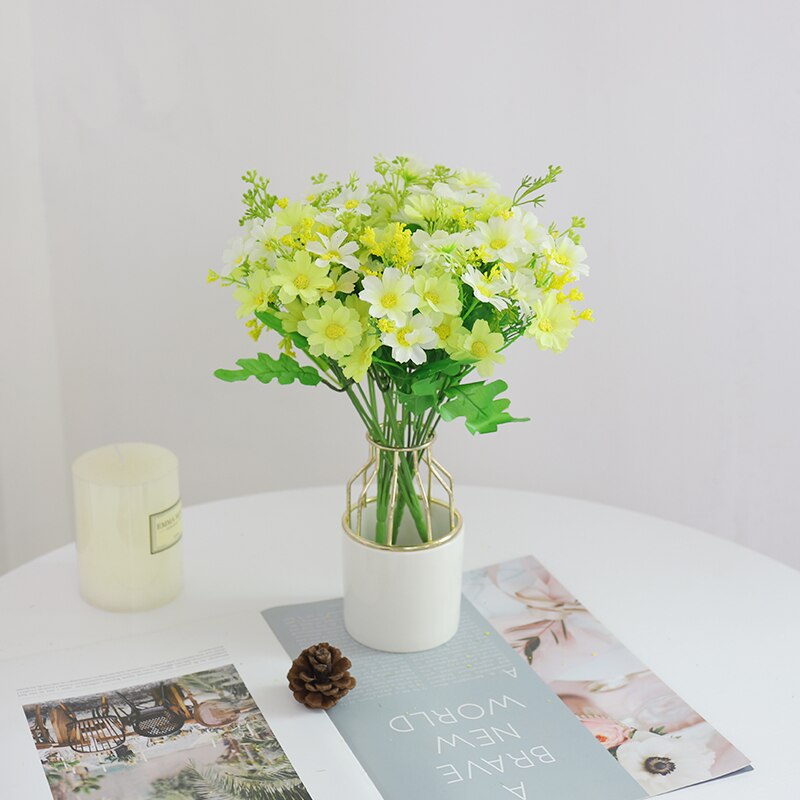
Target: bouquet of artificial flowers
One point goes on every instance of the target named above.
(398, 290)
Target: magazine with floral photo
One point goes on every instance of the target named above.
(654, 735)
(533, 697)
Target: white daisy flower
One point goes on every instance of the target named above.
(334, 250)
(504, 239)
(327, 218)
(445, 191)
(567, 255)
(487, 289)
(410, 341)
(524, 289)
(535, 233)
(436, 249)
(470, 180)
(392, 295)
(236, 254)
(261, 235)
(353, 201)
(662, 763)
(266, 231)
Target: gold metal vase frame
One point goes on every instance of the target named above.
(429, 476)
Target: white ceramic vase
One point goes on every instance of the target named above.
(405, 597)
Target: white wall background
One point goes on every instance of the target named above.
(127, 125)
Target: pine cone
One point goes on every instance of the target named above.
(319, 676)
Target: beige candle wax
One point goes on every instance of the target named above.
(128, 526)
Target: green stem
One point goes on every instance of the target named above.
(398, 516)
(405, 473)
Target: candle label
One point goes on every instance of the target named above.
(166, 528)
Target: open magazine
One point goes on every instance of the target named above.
(532, 698)
(185, 714)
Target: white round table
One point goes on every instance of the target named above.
(715, 621)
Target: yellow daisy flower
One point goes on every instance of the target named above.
(332, 329)
(300, 277)
(481, 345)
(553, 324)
(255, 296)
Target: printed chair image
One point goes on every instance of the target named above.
(39, 731)
(152, 722)
(102, 732)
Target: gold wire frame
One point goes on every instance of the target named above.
(429, 475)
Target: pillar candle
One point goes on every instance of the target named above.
(128, 526)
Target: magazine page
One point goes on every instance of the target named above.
(466, 720)
(532, 698)
(186, 714)
(651, 731)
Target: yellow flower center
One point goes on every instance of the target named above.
(283, 202)
(401, 336)
(351, 204)
(561, 259)
(457, 213)
(261, 299)
(389, 300)
(560, 281)
(331, 254)
(334, 331)
(386, 325)
(479, 350)
(443, 331)
(301, 282)
(432, 298)
(498, 244)
(545, 325)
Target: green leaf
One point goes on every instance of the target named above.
(428, 386)
(274, 324)
(232, 375)
(441, 366)
(477, 403)
(416, 404)
(265, 368)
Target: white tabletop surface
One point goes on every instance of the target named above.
(715, 621)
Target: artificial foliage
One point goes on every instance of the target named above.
(403, 293)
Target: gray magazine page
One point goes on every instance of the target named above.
(467, 720)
